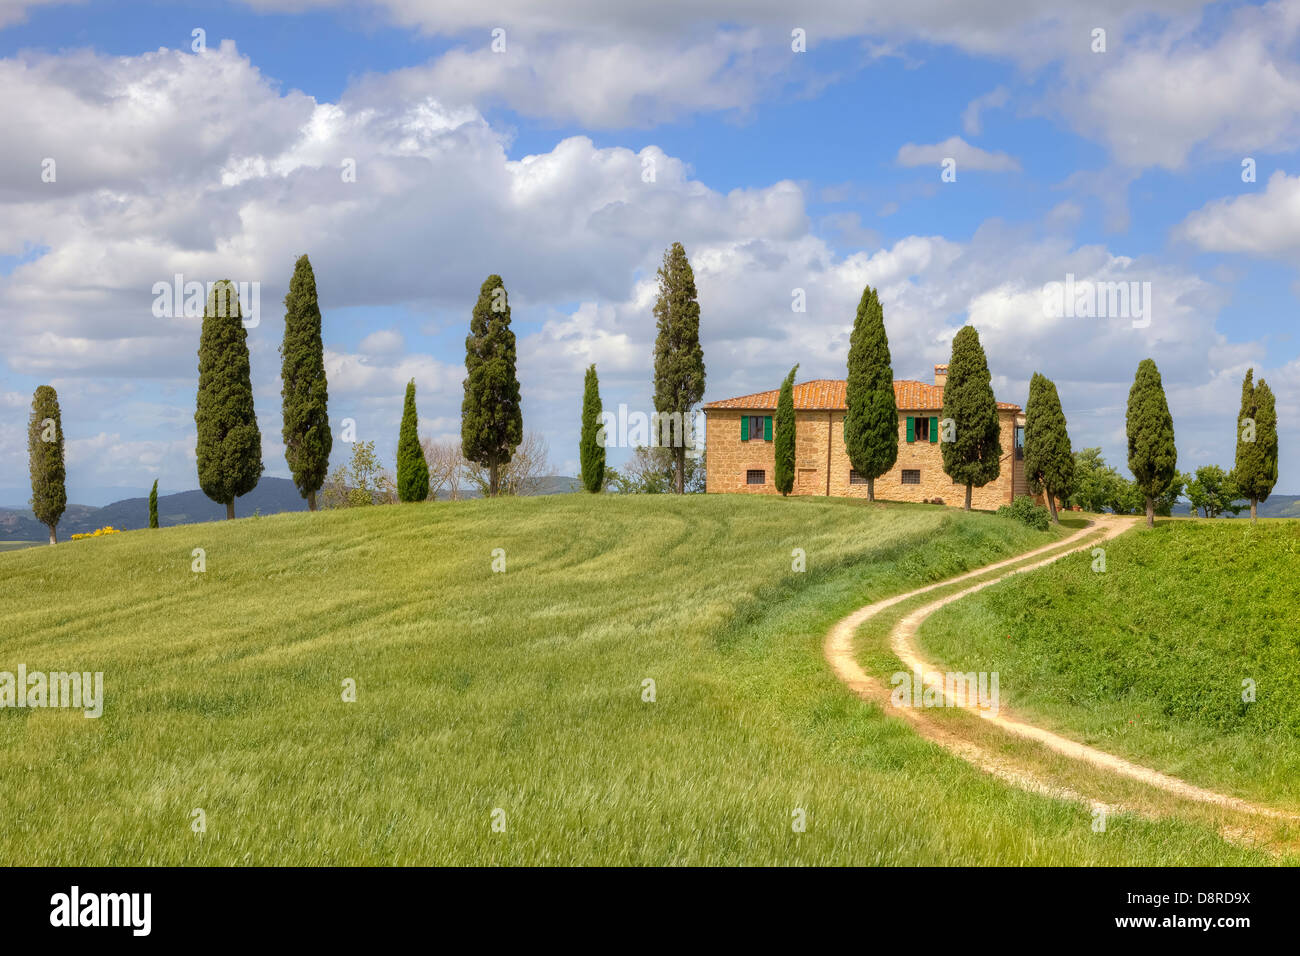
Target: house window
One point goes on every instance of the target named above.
(755, 476)
(1020, 442)
(855, 478)
(923, 429)
(911, 476)
(756, 428)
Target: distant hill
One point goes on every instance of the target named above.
(271, 496)
(1277, 506)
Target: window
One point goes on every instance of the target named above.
(923, 429)
(1020, 441)
(756, 428)
(755, 476)
(911, 476)
(855, 478)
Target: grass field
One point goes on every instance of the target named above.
(1149, 659)
(520, 691)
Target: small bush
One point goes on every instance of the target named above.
(1026, 512)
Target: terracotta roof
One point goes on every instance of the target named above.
(827, 394)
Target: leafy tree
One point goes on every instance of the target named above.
(307, 438)
(1255, 472)
(871, 422)
(229, 448)
(412, 469)
(45, 459)
(590, 449)
(783, 472)
(1049, 462)
(1211, 491)
(363, 481)
(492, 423)
(679, 359)
(1152, 456)
(974, 456)
(153, 505)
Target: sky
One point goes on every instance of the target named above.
(960, 158)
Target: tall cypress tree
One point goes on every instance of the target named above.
(229, 448)
(679, 359)
(974, 456)
(590, 449)
(1049, 461)
(1152, 457)
(871, 422)
(491, 419)
(153, 504)
(45, 460)
(412, 469)
(783, 472)
(307, 438)
(1255, 471)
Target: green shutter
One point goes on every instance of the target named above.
(934, 430)
(744, 428)
(911, 429)
(767, 428)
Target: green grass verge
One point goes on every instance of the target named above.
(1150, 658)
(521, 691)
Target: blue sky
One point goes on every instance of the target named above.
(777, 169)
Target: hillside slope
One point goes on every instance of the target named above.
(642, 684)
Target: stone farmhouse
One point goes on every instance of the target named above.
(741, 455)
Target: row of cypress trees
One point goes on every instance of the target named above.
(972, 447)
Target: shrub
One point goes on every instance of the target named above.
(1026, 512)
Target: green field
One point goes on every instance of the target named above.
(1148, 659)
(520, 691)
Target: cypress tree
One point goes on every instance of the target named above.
(974, 456)
(412, 469)
(229, 450)
(783, 472)
(590, 449)
(1255, 471)
(1049, 461)
(491, 421)
(45, 460)
(1152, 457)
(307, 438)
(153, 504)
(871, 422)
(679, 359)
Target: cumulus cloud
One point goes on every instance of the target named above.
(954, 147)
(1153, 98)
(1261, 223)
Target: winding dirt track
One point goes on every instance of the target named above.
(839, 653)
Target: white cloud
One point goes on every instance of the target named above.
(954, 147)
(1258, 223)
(1154, 97)
(971, 120)
(383, 342)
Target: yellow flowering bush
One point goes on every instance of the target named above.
(99, 533)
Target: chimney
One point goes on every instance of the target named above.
(940, 375)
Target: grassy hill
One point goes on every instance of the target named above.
(1149, 658)
(521, 691)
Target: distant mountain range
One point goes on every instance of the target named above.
(271, 496)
